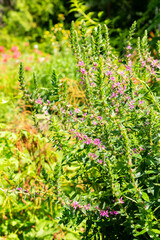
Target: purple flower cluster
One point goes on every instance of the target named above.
(103, 213)
(87, 140)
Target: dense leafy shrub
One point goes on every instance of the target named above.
(109, 178)
(30, 17)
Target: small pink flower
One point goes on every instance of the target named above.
(141, 148)
(81, 63)
(100, 118)
(140, 102)
(75, 204)
(83, 70)
(27, 68)
(115, 212)
(109, 73)
(129, 47)
(99, 161)
(77, 110)
(87, 206)
(39, 101)
(14, 49)
(2, 49)
(16, 54)
(120, 200)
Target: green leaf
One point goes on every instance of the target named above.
(156, 231)
(145, 196)
(140, 233)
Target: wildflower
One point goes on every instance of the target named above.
(27, 68)
(2, 50)
(140, 102)
(94, 123)
(83, 70)
(81, 63)
(75, 204)
(48, 101)
(128, 67)
(77, 110)
(134, 150)
(62, 110)
(39, 101)
(141, 148)
(109, 73)
(115, 212)
(100, 118)
(97, 141)
(19, 189)
(89, 141)
(143, 63)
(16, 54)
(129, 47)
(87, 206)
(104, 213)
(120, 200)
(99, 161)
(14, 49)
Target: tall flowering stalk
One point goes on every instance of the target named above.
(110, 143)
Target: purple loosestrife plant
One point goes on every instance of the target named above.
(110, 143)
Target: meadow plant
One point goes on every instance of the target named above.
(109, 181)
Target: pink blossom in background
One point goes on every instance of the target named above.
(27, 68)
(16, 54)
(2, 50)
(14, 49)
